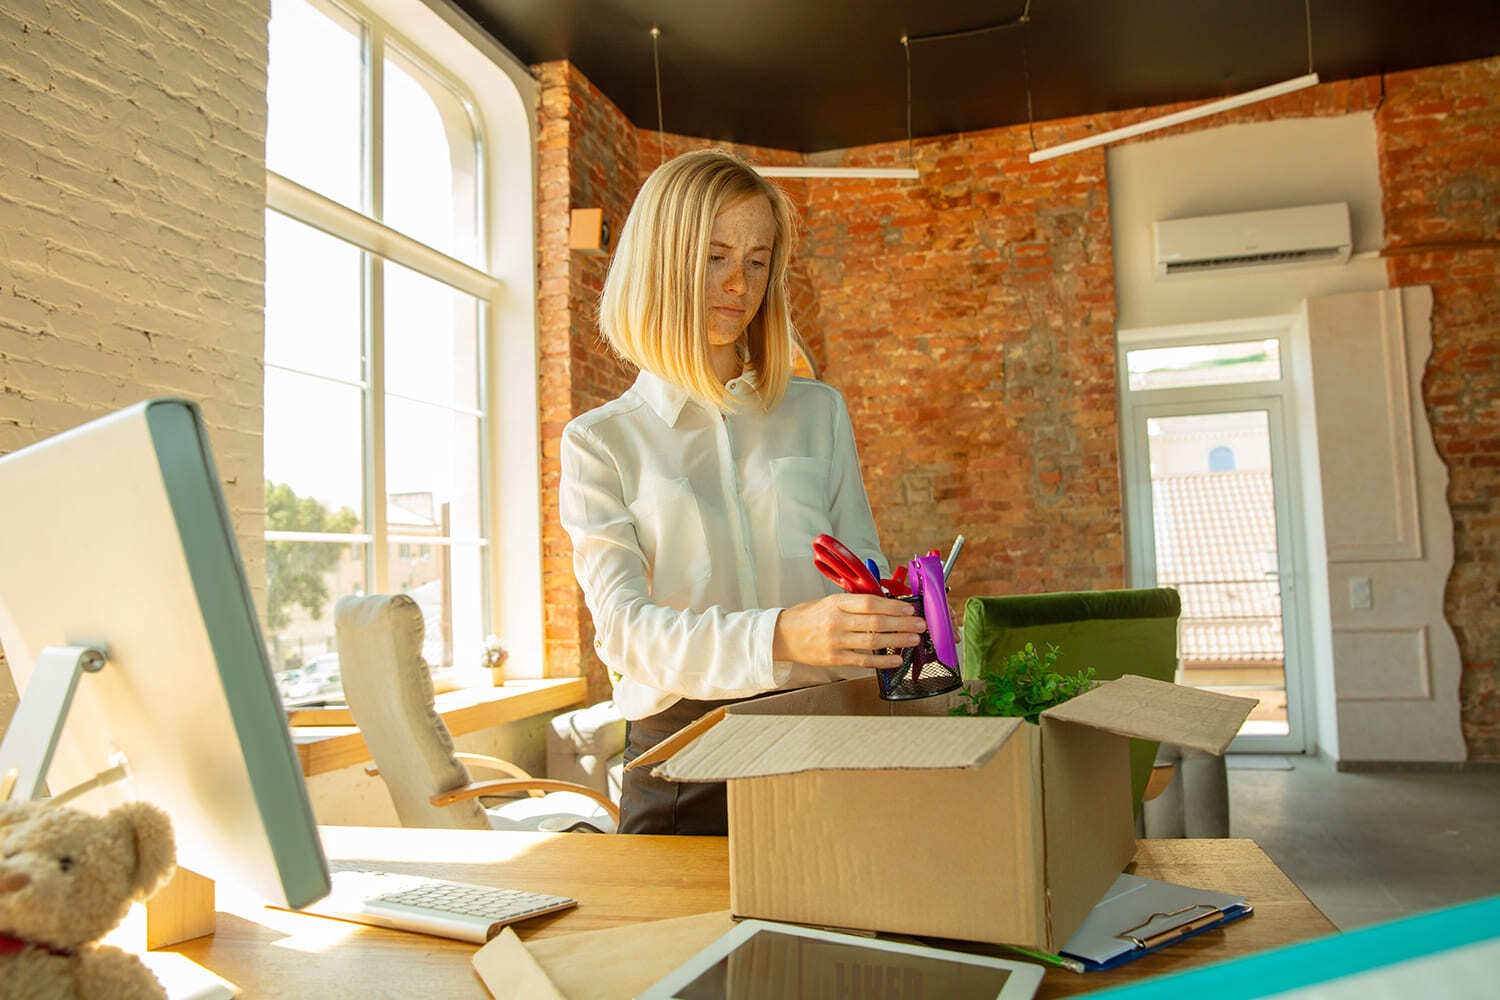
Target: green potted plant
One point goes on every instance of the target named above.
(1025, 685)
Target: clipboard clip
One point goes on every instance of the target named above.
(1175, 931)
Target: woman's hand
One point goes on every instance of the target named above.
(845, 630)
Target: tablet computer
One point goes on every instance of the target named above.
(759, 960)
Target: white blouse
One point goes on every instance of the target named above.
(692, 530)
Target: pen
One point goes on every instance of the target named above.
(1047, 958)
(958, 544)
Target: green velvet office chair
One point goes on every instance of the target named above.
(1114, 631)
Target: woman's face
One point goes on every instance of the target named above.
(739, 266)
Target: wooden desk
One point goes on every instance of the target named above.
(327, 740)
(620, 880)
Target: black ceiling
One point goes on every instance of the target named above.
(811, 75)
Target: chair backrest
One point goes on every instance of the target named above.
(1114, 631)
(389, 690)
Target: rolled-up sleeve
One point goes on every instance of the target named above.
(701, 654)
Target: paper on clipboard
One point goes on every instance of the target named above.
(1138, 915)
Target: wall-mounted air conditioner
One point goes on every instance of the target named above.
(1282, 237)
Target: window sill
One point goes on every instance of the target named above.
(327, 740)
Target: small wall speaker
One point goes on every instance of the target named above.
(588, 232)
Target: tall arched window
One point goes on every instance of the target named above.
(378, 296)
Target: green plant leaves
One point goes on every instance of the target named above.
(1025, 685)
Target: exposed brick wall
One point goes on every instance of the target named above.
(132, 200)
(1439, 133)
(968, 317)
(587, 152)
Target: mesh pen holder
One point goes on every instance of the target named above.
(921, 674)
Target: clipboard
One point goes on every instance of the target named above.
(1140, 915)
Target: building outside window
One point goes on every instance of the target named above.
(376, 300)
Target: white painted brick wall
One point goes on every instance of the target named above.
(132, 198)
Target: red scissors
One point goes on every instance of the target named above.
(835, 561)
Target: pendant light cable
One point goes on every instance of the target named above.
(942, 36)
(661, 132)
(1026, 76)
(1307, 14)
(1019, 21)
(911, 160)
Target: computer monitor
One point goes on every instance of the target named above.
(116, 535)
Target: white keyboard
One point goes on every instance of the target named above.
(429, 905)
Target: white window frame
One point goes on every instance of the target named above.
(500, 92)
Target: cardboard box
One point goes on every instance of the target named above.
(849, 811)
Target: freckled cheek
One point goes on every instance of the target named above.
(758, 290)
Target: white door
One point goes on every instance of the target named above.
(1208, 487)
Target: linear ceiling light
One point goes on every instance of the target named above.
(1178, 117)
(900, 173)
(908, 173)
(1310, 79)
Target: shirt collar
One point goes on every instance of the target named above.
(664, 398)
(667, 399)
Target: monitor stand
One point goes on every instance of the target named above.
(182, 909)
(31, 740)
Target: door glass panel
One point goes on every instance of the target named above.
(1204, 364)
(1214, 516)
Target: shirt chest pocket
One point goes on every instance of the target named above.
(669, 527)
(801, 489)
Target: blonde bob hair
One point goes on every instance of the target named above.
(653, 311)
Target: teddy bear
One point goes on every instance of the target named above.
(66, 879)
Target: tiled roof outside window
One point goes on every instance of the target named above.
(1216, 543)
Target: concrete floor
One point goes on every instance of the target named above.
(1367, 847)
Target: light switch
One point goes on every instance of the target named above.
(1359, 592)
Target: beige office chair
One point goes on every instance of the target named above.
(388, 686)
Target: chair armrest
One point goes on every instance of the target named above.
(477, 789)
(1161, 777)
(473, 760)
(487, 762)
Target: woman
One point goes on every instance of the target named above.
(692, 500)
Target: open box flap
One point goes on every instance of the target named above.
(679, 739)
(746, 746)
(1156, 710)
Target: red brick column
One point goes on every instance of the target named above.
(586, 151)
(1439, 132)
